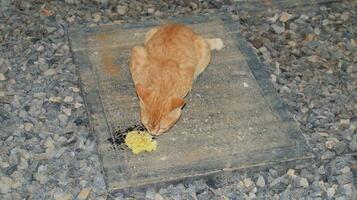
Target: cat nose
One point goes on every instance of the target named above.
(155, 131)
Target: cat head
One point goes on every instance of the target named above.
(158, 114)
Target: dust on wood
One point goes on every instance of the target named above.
(107, 55)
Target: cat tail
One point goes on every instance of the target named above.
(215, 43)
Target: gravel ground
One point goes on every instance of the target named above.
(47, 151)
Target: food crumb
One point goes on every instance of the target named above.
(139, 141)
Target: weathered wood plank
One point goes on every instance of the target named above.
(233, 118)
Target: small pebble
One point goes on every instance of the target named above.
(304, 183)
(260, 181)
(83, 195)
(278, 29)
(284, 17)
(96, 17)
(121, 10)
(77, 105)
(49, 72)
(55, 99)
(331, 192)
(28, 126)
(247, 182)
(74, 89)
(67, 111)
(291, 173)
(2, 77)
(151, 10)
(68, 99)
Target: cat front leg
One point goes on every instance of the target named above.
(137, 61)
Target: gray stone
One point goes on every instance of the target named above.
(51, 29)
(72, 1)
(49, 72)
(325, 22)
(276, 181)
(278, 29)
(348, 190)
(330, 192)
(344, 16)
(150, 193)
(121, 10)
(328, 155)
(345, 178)
(353, 144)
(339, 147)
(5, 184)
(304, 183)
(260, 181)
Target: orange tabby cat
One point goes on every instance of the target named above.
(164, 70)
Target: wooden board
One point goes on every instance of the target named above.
(233, 118)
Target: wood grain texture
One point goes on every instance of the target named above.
(233, 118)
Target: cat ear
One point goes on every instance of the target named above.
(177, 103)
(142, 92)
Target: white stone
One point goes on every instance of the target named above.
(49, 143)
(49, 72)
(151, 10)
(344, 16)
(260, 182)
(313, 58)
(121, 10)
(331, 192)
(345, 121)
(55, 99)
(291, 172)
(252, 195)
(304, 17)
(2, 77)
(284, 17)
(71, 19)
(325, 22)
(67, 111)
(304, 183)
(28, 126)
(274, 18)
(66, 196)
(247, 182)
(330, 144)
(96, 17)
(84, 194)
(68, 99)
(74, 89)
(15, 184)
(40, 48)
(78, 105)
(63, 118)
(346, 170)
